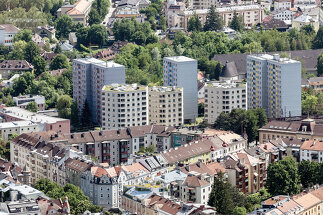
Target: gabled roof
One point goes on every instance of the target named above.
(312, 145)
(18, 65)
(195, 181)
(198, 167)
(9, 28)
(229, 70)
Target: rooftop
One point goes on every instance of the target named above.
(164, 89)
(15, 124)
(312, 145)
(225, 84)
(180, 59)
(98, 62)
(123, 87)
(23, 114)
(9, 28)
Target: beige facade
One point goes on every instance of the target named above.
(178, 16)
(166, 106)
(79, 12)
(223, 97)
(305, 129)
(124, 105)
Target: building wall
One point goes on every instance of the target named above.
(183, 73)
(282, 5)
(223, 99)
(124, 108)
(6, 38)
(6, 133)
(59, 126)
(308, 155)
(166, 107)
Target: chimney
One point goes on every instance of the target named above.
(265, 146)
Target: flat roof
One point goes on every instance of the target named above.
(180, 59)
(123, 87)
(27, 115)
(16, 124)
(98, 62)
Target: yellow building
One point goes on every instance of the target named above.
(302, 20)
(310, 203)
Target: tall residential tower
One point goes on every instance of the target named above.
(89, 76)
(181, 71)
(274, 84)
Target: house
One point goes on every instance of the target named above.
(7, 33)
(23, 101)
(48, 57)
(106, 54)
(282, 4)
(40, 42)
(46, 31)
(312, 150)
(316, 83)
(303, 20)
(8, 66)
(72, 38)
(117, 45)
(301, 129)
(79, 12)
(66, 46)
(278, 24)
(9, 83)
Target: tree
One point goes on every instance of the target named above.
(58, 49)
(75, 116)
(214, 21)
(32, 106)
(82, 36)
(309, 104)
(237, 22)
(64, 26)
(24, 35)
(63, 106)
(86, 115)
(77, 200)
(140, 38)
(194, 23)
(200, 109)
(309, 173)
(150, 149)
(286, 172)
(94, 17)
(31, 51)
(18, 50)
(155, 54)
(239, 211)
(220, 196)
(162, 23)
(59, 62)
(97, 34)
(318, 41)
(39, 64)
(102, 6)
(320, 64)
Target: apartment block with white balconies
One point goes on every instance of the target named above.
(124, 105)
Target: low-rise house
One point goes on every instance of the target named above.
(117, 45)
(310, 203)
(66, 46)
(79, 12)
(72, 38)
(23, 101)
(316, 83)
(278, 24)
(48, 57)
(46, 31)
(8, 129)
(9, 83)
(282, 4)
(106, 54)
(312, 150)
(7, 33)
(8, 66)
(45, 123)
(303, 20)
(54, 206)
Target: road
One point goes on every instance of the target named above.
(107, 17)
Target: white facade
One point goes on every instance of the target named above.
(282, 4)
(274, 84)
(7, 129)
(181, 71)
(312, 150)
(124, 106)
(284, 15)
(223, 97)
(89, 76)
(7, 33)
(166, 106)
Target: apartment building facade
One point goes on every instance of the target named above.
(312, 150)
(274, 84)
(166, 106)
(89, 77)
(181, 71)
(301, 130)
(124, 106)
(7, 33)
(223, 97)
(8, 129)
(178, 16)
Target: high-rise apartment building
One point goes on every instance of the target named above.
(166, 106)
(89, 76)
(274, 84)
(223, 97)
(181, 71)
(124, 105)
